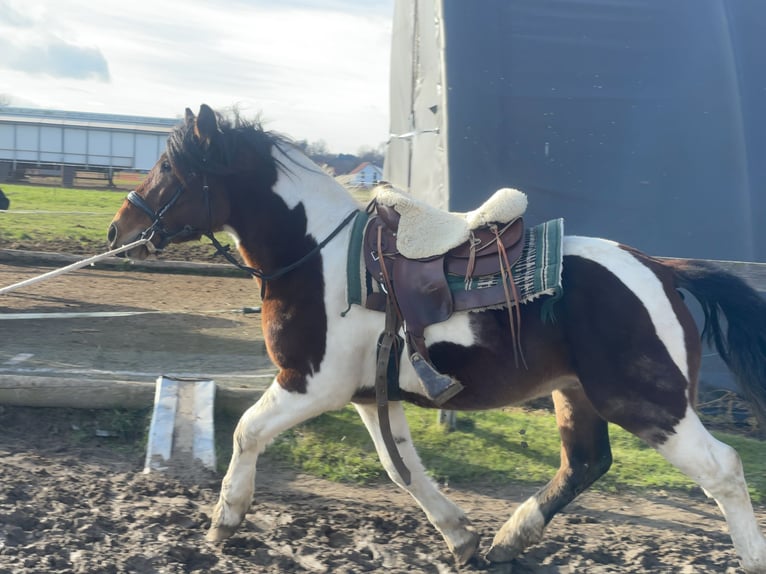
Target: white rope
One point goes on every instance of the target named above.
(72, 267)
(44, 212)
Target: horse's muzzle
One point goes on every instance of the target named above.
(116, 239)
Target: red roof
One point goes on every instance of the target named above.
(359, 168)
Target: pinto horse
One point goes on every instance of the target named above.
(623, 347)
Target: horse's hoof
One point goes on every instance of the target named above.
(467, 549)
(220, 533)
(502, 554)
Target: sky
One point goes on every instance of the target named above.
(315, 70)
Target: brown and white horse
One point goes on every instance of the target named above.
(623, 349)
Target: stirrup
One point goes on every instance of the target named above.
(438, 387)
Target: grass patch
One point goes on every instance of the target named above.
(495, 447)
(85, 218)
(123, 431)
(77, 215)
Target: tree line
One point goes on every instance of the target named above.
(341, 163)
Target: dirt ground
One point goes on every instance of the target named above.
(77, 506)
(172, 324)
(70, 503)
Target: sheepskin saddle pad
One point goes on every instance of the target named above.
(425, 231)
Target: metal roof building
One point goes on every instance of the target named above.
(40, 138)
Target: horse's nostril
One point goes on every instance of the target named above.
(111, 235)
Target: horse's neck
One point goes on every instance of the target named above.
(302, 181)
(324, 201)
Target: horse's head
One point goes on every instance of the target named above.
(182, 197)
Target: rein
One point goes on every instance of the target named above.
(225, 250)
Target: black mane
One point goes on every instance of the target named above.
(188, 154)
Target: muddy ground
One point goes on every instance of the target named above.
(71, 502)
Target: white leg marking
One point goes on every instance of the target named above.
(521, 531)
(717, 468)
(276, 411)
(444, 514)
(646, 286)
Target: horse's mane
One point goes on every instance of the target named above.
(188, 154)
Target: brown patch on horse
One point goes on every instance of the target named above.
(292, 313)
(271, 236)
(241, 172)
(585, 451)
(625, 369)
(488, 371)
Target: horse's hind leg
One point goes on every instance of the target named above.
(447, 517)
(276, 411)
(585, 456)
(717, 468)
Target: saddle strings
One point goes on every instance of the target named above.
(386, 278)
(511, 298)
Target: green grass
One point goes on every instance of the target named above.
(495, 447)
(97, 208)
(83, 214)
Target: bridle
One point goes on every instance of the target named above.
(157, 228)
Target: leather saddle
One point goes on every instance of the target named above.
(419, 290)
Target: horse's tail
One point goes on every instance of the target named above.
(742, 344)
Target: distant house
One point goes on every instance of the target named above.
(363, 175)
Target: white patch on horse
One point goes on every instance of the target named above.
(301, 181)
(277, 410)
(349, 339)
(444, 514)
(717, 468)
(457, 330)
(643, 283)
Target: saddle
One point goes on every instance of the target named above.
(414, 279)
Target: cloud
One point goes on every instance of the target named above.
(13, 17)
(364, 7)
(55, 58)
(316, 69)
(28, 45)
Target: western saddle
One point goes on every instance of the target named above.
(417, 254)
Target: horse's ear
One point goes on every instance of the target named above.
(189, 117)
(207, 124)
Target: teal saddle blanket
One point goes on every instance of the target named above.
(537, 272)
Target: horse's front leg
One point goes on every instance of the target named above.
(444, 514)
(277, 410)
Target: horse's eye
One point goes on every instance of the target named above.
(166, 166)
